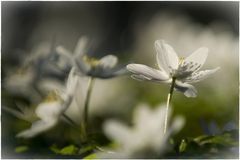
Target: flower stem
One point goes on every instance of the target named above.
(168, 102)
(69, 120)
(86, 107)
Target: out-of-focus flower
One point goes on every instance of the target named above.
(100, 68)
(34, 68)
(213, 128)
(52, 109)
(145, 139)
(42, 60)
(22, 83)
(181, 71)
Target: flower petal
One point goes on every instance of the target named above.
(140, 77)
(166, 56)
(108, 61)
(65, 53)
(187, 89)
(49, 110)
(196, 60)
(201, 75)
(177, 124)
(49, 113)
(72, 82)
(37, 128)
(118, 131)
(147, 73)
(81, 47)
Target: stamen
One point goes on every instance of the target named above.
(90, 60)
(21, 71)
(52, 96)
(181, 60)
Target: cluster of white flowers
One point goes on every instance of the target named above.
(148, 136)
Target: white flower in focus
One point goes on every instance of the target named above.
(50, 111)
(100, 68)
(182, 70)
(145, 139)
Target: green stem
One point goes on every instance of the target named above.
(168, 102)
(69, 120)
(86, 107)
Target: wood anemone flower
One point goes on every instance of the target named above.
(105, 67)
(51, 110)
(174, 70)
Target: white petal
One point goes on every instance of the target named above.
(81, 47)
(74, 60)
(49, 110)
(201, 75)
(117, 131)
(72, 82)
(187, 89)
(37, 128)
(147, 73)
(108, 61)
(49, 113)
(195, 61)
(166, 56)
(144, 116)
(140, 77)
(65, 53)
(177, 124)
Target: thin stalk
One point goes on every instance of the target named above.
(86, 107)
(69, 120)
(169, 97)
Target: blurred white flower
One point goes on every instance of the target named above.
(26, 81)
(22, 83)
(52, 109)
(100, 68)
(41, 59)
(145, 139)
(181, 71)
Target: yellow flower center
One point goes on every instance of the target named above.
(181, 60)
(21, 71)
(90, 60)
(52, 96)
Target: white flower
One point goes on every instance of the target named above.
(50, 111)
(183, 70)
(101, 68)
(145, 139)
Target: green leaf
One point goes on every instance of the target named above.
(225, 139)
(55, 149)
(91, 156)
(86, 149)
(21, 149)
(69, 150)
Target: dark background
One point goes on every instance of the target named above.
(111, 22)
